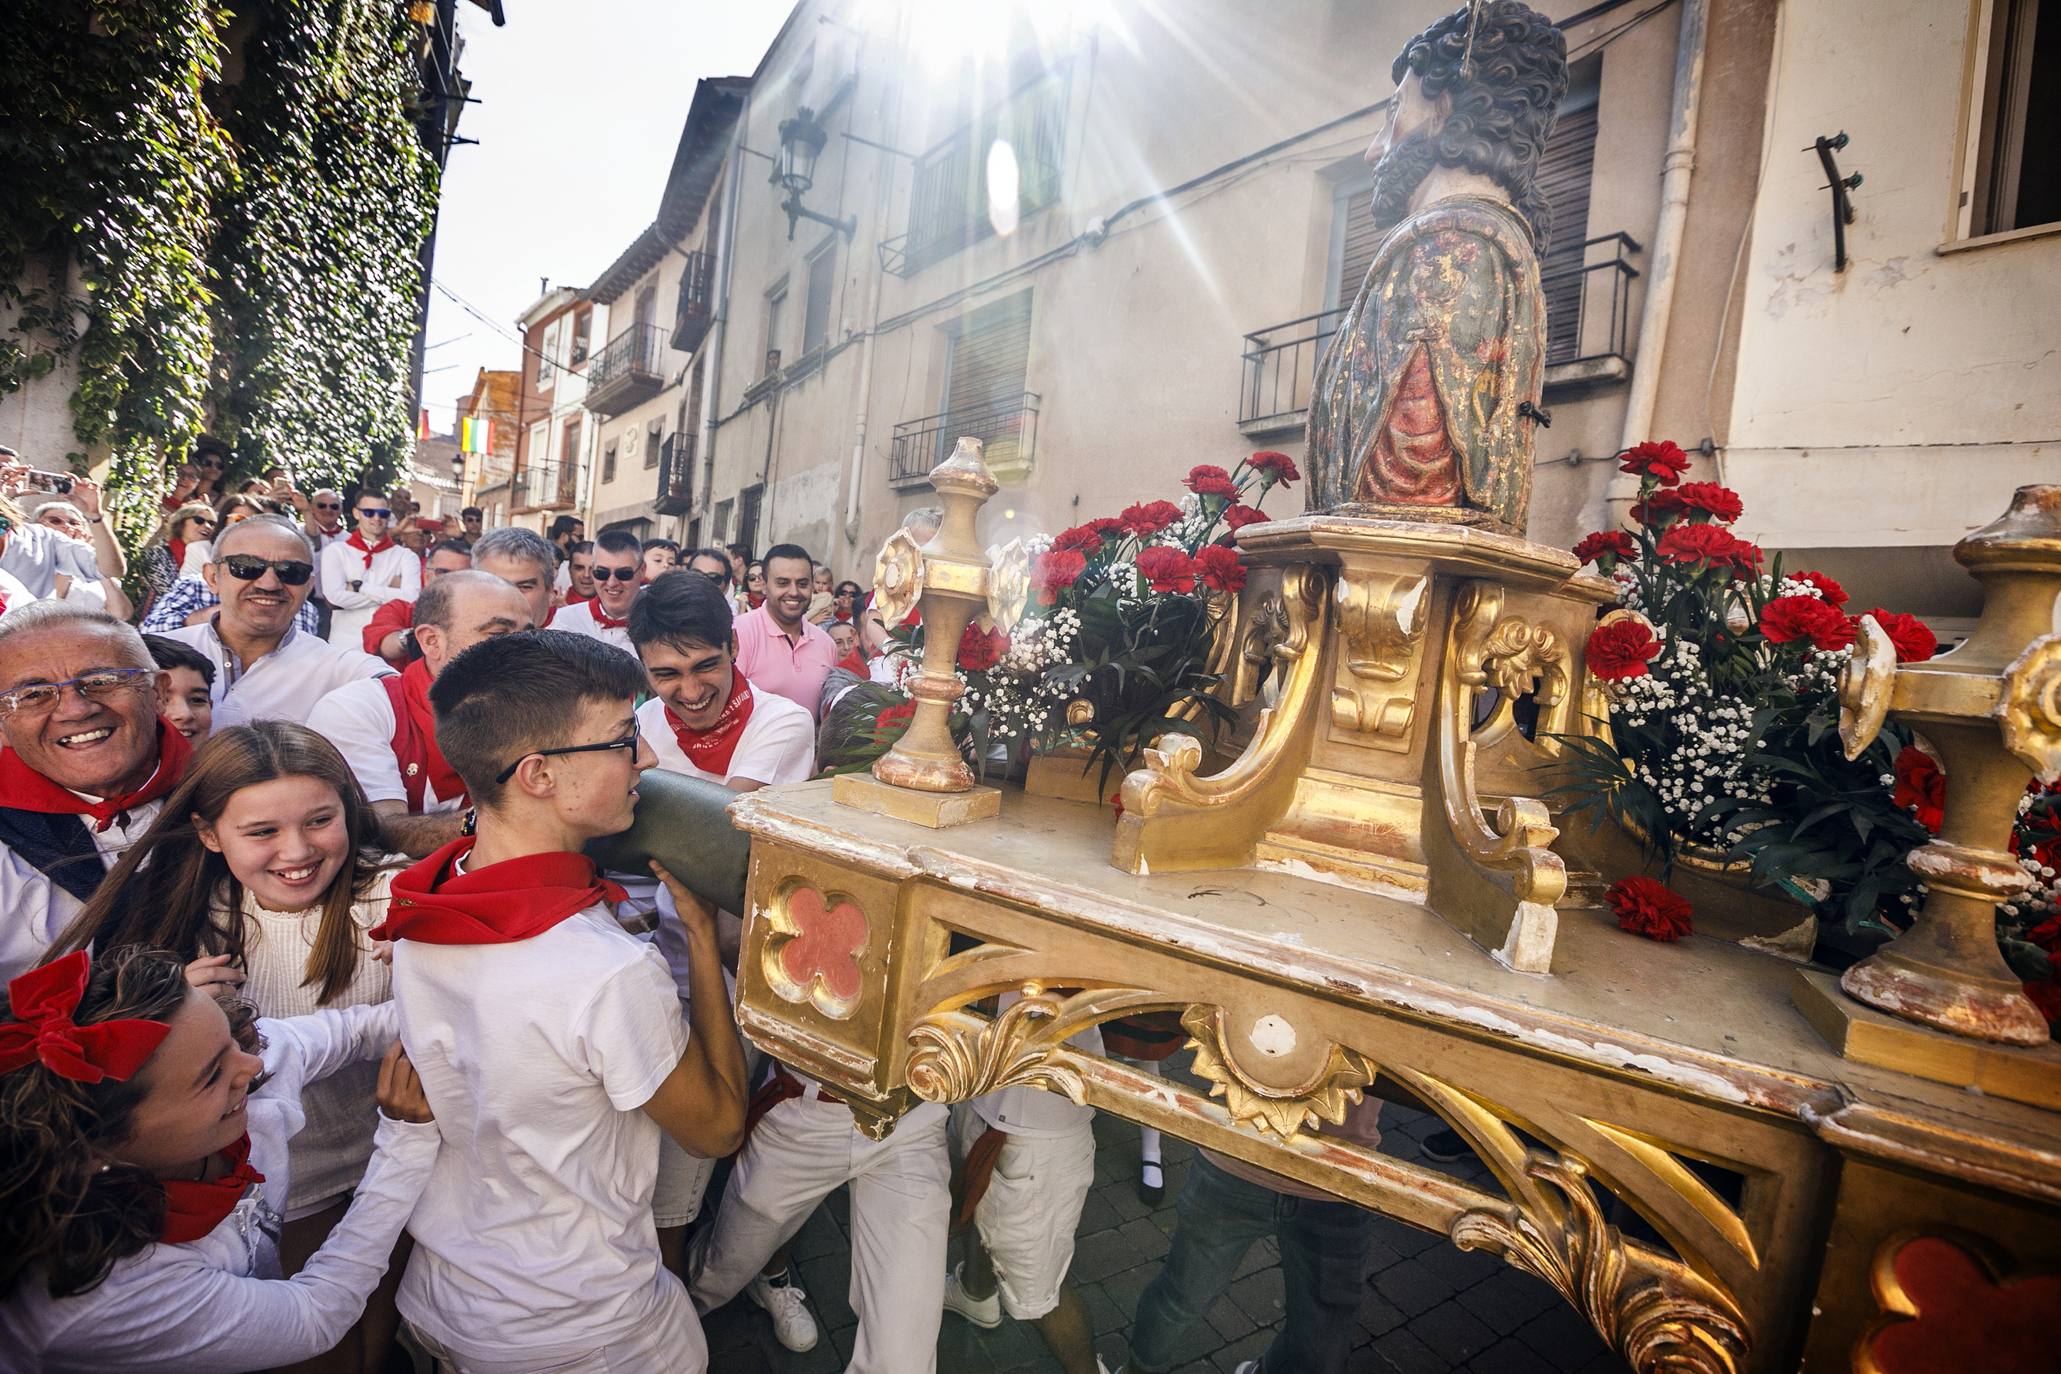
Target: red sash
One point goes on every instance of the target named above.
(496, 905)
(192, 1209)
(27, 790)
(415, 739)
(712, 749)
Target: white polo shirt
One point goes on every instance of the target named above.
(778, 744)
(283, 685)
(358, 718)
(579, 620)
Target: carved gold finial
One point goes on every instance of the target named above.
(1992, 710)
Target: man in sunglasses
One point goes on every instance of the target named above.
(618, 565)
(266, 668)
(366, 570)
(85, 769)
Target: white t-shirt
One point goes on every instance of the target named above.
(34, 910)
(218, 1303)
(36, 554)
(283, 685)
(392, 574)
(358, 718)
(14, 592)
(579, 620)
(778, 744)
(534, 1238)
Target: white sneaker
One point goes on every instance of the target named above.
(1247, 1367)
(788, 1306)
(985, 1313)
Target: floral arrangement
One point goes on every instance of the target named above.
(1722, 739)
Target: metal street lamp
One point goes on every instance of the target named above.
(801, 143)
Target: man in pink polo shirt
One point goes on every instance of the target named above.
(777, 649)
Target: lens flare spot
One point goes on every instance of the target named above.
(1004, 187)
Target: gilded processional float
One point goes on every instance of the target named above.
(1372, 886)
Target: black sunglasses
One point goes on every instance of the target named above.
(248, 567)
(620, 574)
(329, 505)
(629, 742)
(374, 513)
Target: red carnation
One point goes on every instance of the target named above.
(1649, 908)
(1663, 461)
(1273, 466)
(1787, 619)
(2047, 935)
(1659, 508)
(1913, 639)
(1150, 518)
(980, 650)
(1920, 787)
(2046, 995)
(1167, 570)
(1699, 544)
(896, 717)
(1207, 479)
(1238, 517)
(1746, 556)
(1713, 499)
(1621, 649)
(1083, 539)
(1219, 569)
(1054, 570)
(1606, 544)
(1827, 588)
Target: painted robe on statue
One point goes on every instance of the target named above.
(1414, 411)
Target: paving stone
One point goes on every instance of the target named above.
(820, 1235)
(1412, 1287)
(1511, 1356)
(1509, 1299)
(1563, 1336)
(1262, 1295)
(1453, 1333)
(1096, 1214)
(1377, 1315)
(1104, 1253)
(1144, 1233)
(1460, 1268)
(1399, 1352)
(1238, 1352)
(1263, 1253)
(1104, 1316)
(1229, 1320)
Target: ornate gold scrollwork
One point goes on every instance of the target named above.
(1381, 618)
(1863, 690)
(955, 1056)
(898, 577)
(2029, 712)
(1659, 1314)
(1325, 1080)
(1265, 632)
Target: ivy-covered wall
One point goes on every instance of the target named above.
(246, 254)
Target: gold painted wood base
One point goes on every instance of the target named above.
(1868, 1036)
(1069, 775)
(937, 810)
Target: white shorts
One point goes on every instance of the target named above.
(1031, 1209)
(682, 1180)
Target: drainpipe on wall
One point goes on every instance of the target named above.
(712, 372)
(1676, 168)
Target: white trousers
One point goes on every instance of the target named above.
(901, 1207)
(670, 1343)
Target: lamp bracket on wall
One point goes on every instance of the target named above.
(1839, 186)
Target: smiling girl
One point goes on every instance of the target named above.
(143, 1130)
(265, 854)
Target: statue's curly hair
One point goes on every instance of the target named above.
(1504, 86)
(68, 1211)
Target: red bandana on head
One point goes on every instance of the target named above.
(496, 905)
(24, 789)
(194, 1208)
(43, 1001)
(357, 541)
(711, 750)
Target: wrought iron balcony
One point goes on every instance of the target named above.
(697, 302)
(1007, 429)
(546, 486)
(1280, 364)
(628, 372)
(949, 198)
(676, 474)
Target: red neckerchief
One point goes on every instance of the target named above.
(178, 548)
(853, 663)
(603, 618)
(496, 905)
(844, 617)
(573, 598)
(193, 1208)
(357, 541)
(712, 749)
(415, 695)
(24, 789)
(757, 599)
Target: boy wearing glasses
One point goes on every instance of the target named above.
(618, 570)
(366, 570)
(267, 668)
(534, 1247)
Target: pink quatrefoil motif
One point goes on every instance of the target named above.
(820, 960)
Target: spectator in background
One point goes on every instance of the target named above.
(386, 634)
(523, 559)
(822, 600)
(325, 523)
(185, 686)
(36, 554)
(474, 522)
(579, 572)
(618, 573)
(565, 531)
(366, 571)
(754, 585)
(164, 558)
(211, 461)
(845, 637)
(740, 559)
(848, 595)
(661, 556)
(190, 601)
(777, 648)
(714, 564)
(105, 595)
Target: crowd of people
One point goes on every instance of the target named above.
(325, 1040)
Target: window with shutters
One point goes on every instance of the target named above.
(1566, 170)
(985, 178)
(987, 362)
(721, 531)
(547, 357)
(2011, 156)
(748, 503)
(582, 331)
(816, 309)
(776, 306)
(608, 462)
(653, 440)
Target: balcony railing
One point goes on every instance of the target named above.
(697, 302)
(1588, 314)
(627, 372)
(546, 486)
(949, 204)
(1007, 429)
(676, 474)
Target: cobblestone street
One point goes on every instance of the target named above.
(1429, 1307)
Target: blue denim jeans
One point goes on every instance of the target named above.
(1323, 1263)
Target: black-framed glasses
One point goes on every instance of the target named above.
(375, 513)
(41, 698)
(620, 574)
(248, 567)
(629, 742)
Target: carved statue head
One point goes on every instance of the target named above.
(1476, 91)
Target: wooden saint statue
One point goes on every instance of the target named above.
(1426, 400)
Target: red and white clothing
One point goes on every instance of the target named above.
(217, 1303)
(587, 618)
(534, 1245)
(794, 667)
(384, 572)
(392, 618)
(774, 742)
(365, 721)
(286, 683)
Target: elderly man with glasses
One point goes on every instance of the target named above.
(266, 668)
(86, 766)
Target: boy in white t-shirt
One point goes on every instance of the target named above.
(548, 1039)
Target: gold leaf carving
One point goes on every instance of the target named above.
(1381, 620)
(897, 577)
(2030, 712)
(1864, 685)
(1659, 1314)
(1326, 1093)
(951, 1061)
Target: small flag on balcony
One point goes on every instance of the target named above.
(422, 424)
(475, 436)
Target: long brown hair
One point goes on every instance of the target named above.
(163, 891)
(64, 1204)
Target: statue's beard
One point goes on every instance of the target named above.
(1397, 176)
